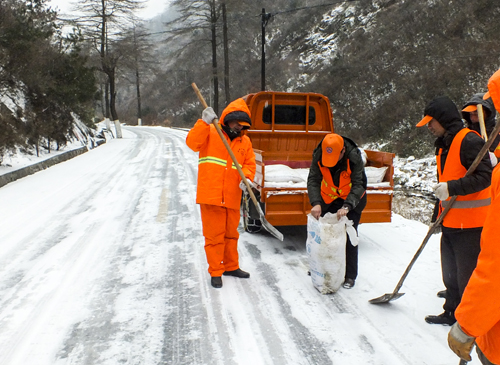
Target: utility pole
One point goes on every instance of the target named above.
(265, 19)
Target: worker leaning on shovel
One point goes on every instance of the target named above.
(456, 150)
(478, 315)
(337, 184)
(218, 191)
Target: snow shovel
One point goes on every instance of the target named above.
(386, 298)
(215, 122)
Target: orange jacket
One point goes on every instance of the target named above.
(329, 191)
(468, 211)
(479, 310)
(218, 178)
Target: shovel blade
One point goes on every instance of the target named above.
(269, 227)
(386, 298)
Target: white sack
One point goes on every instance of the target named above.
(326, 240)
(375, 175)
(281, 173)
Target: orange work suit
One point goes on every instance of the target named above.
(479, 310)
(218, 187)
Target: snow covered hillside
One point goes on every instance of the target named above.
(102, 262)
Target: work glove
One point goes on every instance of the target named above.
(437, 229)
(441, 191)
(460, 343)
(250, 182)
(493, 159)
(208, 115)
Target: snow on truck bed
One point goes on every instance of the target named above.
(282, 176)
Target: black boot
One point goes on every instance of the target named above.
(348, 283)
(441, 294)
(445, 318)
(238, 273)
(216, 281)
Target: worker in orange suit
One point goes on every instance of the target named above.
(478, 315)
(220, 185)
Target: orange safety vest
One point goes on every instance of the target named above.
(330, 191)
(497, 151)
(468, 211)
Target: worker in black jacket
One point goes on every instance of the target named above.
(456, 149)
(470, 114)
(337, 184)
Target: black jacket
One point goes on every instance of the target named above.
(358, 176)
(446, 113)
(489, 117)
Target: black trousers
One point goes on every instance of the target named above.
(351, 252)
(459, 251)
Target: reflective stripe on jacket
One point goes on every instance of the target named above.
(218, 178)
(468, 211)
(479, 309)
(330, 191)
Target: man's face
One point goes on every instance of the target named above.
(235, 126)
(435, 128)
(473, 117)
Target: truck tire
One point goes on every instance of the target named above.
(251, 221)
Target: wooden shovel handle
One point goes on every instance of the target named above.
(215, 122)
(480, 116)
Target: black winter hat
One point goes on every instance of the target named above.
(444, 111)
(240, 116)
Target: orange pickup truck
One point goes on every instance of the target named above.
(286, 127)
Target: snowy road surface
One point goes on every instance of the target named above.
(102, 262)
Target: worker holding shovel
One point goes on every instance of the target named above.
(456, 150)
(478, 315)
(479, 115)
(219, 189)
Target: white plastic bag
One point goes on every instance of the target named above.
(326, 240)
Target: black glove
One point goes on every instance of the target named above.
(437, 229)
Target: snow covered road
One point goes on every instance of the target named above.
(102, 262)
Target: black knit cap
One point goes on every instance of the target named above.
(239, 116)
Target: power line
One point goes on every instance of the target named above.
(311, 7)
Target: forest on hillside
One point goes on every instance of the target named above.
(378, 61)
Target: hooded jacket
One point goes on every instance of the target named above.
(218, 178)
(479, 309)
(446, 113)
(358, 176)
(489, 118)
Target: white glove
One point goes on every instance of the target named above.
(244, 187)
(493, 159)
(441, 191)
(208, 115)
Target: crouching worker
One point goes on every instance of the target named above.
(337, 184)
(218, 191)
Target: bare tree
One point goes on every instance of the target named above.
(103, 21)
(199, 17)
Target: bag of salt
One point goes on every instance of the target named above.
(326, 240)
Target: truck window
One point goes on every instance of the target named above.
(288, 114)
